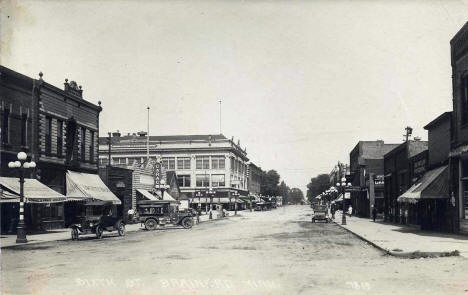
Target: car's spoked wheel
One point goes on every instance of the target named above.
(74, 234)
(121, 229)
(150, 224)
(99, 232)
(187, 222)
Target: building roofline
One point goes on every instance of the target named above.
(460, 32)
(440, 118)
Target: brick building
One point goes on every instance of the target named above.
(57, 128)
(367, 167)
(398, 175)
(459, 143)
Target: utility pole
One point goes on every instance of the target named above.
(220, 116)
(409, 132)
(109, 144)
(147, 138)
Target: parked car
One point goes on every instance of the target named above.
(154, 213)
(96, 217)
(320, 213)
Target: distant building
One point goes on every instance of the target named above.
(254, 181)
(367, 167)
(398, 175)
(200, 162)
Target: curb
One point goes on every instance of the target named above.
(68, 238)
(406, 255)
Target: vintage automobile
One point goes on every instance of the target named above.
(96, 217)
(320, 213)
(154, 213)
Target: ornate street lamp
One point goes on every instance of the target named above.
(199, 195)
(235, 194)
(211, 193)
(343, 186)
(22, 165)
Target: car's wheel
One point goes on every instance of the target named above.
(151, 224)
(74, 234)
(187, 222)
(121, 229)
(99, 232)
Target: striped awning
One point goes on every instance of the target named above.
(34, 191)
(87, 186)
(147, 194)
(215, 201)
(433, 185)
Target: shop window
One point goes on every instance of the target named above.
(203, 180)
(183, 163)
(218, 180)
(183, 180)
(465, 185)
(203, 162)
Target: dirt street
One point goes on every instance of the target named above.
(273, 252)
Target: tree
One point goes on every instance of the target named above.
(317, 185)
(296, 196)
(284, 191)
(269, 183)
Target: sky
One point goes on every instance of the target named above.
(301, 82)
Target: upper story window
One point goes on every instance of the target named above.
(168, 163)
(119, 161)
(218, 162)
(203, 180)
(83, 144)
(464, 101)
(48, 135)
(5, 125)
(218, 180)
(59, 138)
(183, 180)
(183, 163)
(24, 129)
(203, 162)
(232, 164)
(91, 146)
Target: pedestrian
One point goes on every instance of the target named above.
(374, 213)
(333, 209)
(350, 210)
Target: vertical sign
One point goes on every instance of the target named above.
(157, 173)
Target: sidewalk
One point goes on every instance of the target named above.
(8, 241)
(403, 241)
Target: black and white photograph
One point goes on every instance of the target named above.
(263, 147)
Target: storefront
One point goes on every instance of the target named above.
(85, 187)
(43, 206)
(425, 203)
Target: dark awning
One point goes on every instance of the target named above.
(433, 185)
